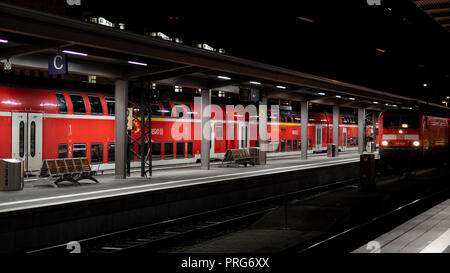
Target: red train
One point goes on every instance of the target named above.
(416, 132)
(44, 124)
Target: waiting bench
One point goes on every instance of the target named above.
(67, 169)
(238, 156)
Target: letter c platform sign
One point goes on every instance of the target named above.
(57, 64)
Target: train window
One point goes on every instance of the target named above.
(219, 131)
(96, 105)
(156, 111)
(63, 151)
(310, 143)
(111, 152)
(299, 144)
(33, 138)
(289, 145)
(97, 153)
(62, 105)
(22, 139)
(391, 122)
(283, 145)
(156, 150)
(79, 150)
(78, 104)
(294, 145)
(111, 104)
(180, 149)
(179, 111)
(189, 111)
(190, 151)
(167, 109)
(168, 150)
(412, 122)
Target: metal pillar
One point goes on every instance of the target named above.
(263, 122)
(304, 131)
(121, 104)
(361, 129)
(206, 128)
(374, 122)
(336, 131)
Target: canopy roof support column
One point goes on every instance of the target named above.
(304, 130)
(361, 129)
(206, 128)
(121, 104)
(336, 131)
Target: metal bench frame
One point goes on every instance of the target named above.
(73, 170)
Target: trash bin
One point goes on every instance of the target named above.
(258, 156)
(11, 175)
(371, 147)
(367, 172)
(331, 150)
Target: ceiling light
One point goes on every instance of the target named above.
(74, 53)
(281, 87)
(381, 50)
(351, 98)
(3, 41)
(375, 102)
(338, 96)
(305, 19)
(224, 77)
(257, 83)
(321, 93)
(137, 63)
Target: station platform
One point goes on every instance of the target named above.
(41, 215)
(36, 194)
(428, 232)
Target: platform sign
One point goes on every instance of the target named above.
(57, 64)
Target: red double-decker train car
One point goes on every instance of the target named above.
(413, 133)
(46, 124)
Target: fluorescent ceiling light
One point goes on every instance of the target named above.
(381, 50)
(338, 96)
(375, 102)
(321, 93)
(137, 63)
(281, 87)
(3, 41)
(351, 98)
(257, 83)
(74, 53)
(224, 77)
(303, 18)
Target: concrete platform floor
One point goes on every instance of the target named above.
(428, 232)
(36, 194)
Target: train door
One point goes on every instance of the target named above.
(318, 145)
(243, 135)
(344, 139)
(27, 139)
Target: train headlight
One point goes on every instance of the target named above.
(416, 143)
(384, 143)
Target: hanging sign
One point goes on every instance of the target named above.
(57, 64)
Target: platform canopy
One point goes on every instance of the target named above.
(33, 36)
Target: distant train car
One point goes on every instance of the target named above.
(43, 124)
(413, 133)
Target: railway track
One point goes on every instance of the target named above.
(356, 236)
(158, 235)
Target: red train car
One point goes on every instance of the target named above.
(44, 124)
(417, 132)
